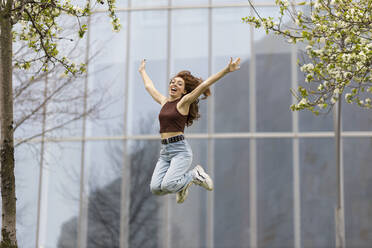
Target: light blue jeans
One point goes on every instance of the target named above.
(172, 171)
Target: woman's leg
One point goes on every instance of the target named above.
(178, 174)
(160, 170)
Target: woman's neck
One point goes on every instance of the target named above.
(172, 99)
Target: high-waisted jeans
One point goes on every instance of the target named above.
(172, 171)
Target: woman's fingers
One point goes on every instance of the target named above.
(234, 65)
(142, 66)
(237, 61)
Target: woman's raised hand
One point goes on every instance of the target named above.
(234, 65)
(142, 66)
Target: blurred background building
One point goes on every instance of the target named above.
(274, 170)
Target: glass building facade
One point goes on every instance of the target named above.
(274, 170)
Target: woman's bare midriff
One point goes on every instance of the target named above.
(170, 134)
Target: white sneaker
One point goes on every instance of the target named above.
(201, 178)
(181, 195)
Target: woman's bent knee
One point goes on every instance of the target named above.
(156, 190)
(170, 187)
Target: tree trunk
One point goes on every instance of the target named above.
(8, 229)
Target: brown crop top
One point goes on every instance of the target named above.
(170, 119)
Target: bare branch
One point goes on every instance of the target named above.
(53, 128)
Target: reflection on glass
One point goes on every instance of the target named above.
(231, 207)
(106, 76)
(273, 79)
(358, 191)
(104, 165)
(65, 110)
(121, 3)
(144, 208)
(190, 52)
(318, 182)
(275, 193)
(61, 180)
(105, 161)
(308, 122)
(142, 107)
(355, 118)
(27, 182)
(231, 38)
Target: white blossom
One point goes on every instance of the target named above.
(317, 5)
(307, 67)
(322, 105)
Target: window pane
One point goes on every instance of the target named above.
(106, 76)
(61, 189)
(358, 191)
(190, 52)
(105, 162)
(273, 80)
(27, 170)
(318, 182)
(104, 165)
(275, 193)
(144, 208)
(231, 38)
(355, 118)
(143, 110)
(25, 104)
(64, 108)
(231, 202)
(121, 3)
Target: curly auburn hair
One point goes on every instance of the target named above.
(191, 82)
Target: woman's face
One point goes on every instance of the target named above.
(176, 87)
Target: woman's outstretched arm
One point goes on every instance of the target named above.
(192, 96)
(149, 85)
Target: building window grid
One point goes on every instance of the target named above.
(211, 135)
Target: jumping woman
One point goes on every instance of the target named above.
(172, 172)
